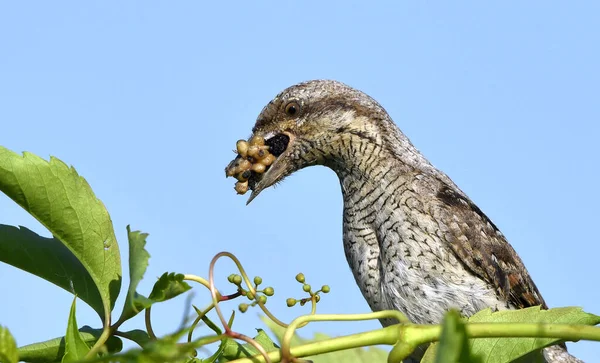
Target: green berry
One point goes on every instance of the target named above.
(257, 280)
(300, 278)
(262, 299)
(325, 289)
(237, 279)
(306, 287)
(269, 291)
(243, 307)
(290, 302)
(250, 295)
(317, 298)
(230, 278)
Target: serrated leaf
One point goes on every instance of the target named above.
(493, 350)
(355, 355)
(8, 347)
(54, 349)
(138, 263)
(75, 346)
(49, 259)
(168, 286)
(64, 203)
(231, 349)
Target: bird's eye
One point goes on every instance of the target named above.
(292, 108)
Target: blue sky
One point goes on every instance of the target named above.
(146, 100)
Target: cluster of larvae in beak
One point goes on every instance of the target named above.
(253, 156)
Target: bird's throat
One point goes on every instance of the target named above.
(372, 181)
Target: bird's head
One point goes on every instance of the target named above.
(303, 123)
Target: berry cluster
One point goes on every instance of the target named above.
(253, 156)
(307, 288)
(261, 295)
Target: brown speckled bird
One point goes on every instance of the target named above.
(414, 241)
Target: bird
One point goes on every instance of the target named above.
(413, 239)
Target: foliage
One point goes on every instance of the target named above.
(83, 258)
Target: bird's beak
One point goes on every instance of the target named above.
(281, 167)
(274, 174)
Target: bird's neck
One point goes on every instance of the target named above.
(365, 163)
(372, 179)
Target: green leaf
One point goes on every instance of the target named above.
(8, 347)
(233, 350)
(218, 354)
(138, 262)
(75, 346)
(453, 340)
(430, 354)
(209, 323)
(168, 286)
(494, 350)
(49, 259)
(165, 349)
(54, 349)
(355, 355)
(140, 337)
(64, 203)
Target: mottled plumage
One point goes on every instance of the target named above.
(414, 241)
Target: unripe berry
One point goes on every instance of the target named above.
(269, 291)
(262, 299)
(243, 308)
(290, 302)
(257, 280)
(300, 278)
(250, 295)
(306, 287)
(237, 279)
(325, 289)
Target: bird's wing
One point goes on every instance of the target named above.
(483, 249)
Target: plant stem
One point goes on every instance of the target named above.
(148, 321)
(571, 332)
(419, 334)
(106, 333)
(303, 320)
(197, 279)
